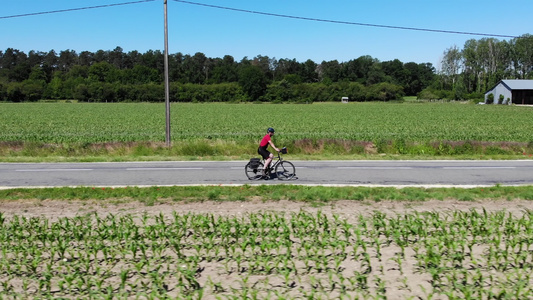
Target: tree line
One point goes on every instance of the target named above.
(109, 76)
(118, 76)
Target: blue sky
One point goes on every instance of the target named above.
(218, 32)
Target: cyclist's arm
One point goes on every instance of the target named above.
(273, 146)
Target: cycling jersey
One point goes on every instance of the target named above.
(264, 141)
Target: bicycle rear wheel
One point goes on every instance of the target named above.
(253, 173)
(285, 170)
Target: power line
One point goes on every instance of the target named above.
(74, 9)
(272, 15)
(345, 22)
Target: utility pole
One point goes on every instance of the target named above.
(167, 81)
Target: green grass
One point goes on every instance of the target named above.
(314, 194)
(91, 132)
(410, 99)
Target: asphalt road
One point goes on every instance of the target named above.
(356, 173)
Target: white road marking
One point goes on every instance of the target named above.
(409, 168)
(376, 168)
(161, 169)
(475, 168)
(53, 170)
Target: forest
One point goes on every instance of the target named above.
(481, 64)
(117, 76)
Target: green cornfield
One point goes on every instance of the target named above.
(133, 122)
(268, 255)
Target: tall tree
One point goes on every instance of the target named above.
(196, 68)
(329, 70)
(154, 60)
(36, 58)
(176, 68)
(253, 82)
(284, 67)
(37, 74)
(395, 70)
(86, 58)
(522, 56)
(357, 70)
(224, 70)
(15, 65)
(420, 77)
(266, 65)
(67, 59)
(308, 71)
(375, 74)
(100, 56)
(131, 59)
(472, 68)
(103, 72)
(117, 57)
(451, 65)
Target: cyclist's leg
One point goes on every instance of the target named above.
(268, 161)
(267, 156)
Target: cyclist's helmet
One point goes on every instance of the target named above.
(271, 129)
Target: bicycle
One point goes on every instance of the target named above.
(283, 169)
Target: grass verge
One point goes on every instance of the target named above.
(314, 194)
(305, 149)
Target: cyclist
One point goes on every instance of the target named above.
(262, 150)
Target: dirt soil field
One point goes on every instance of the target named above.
(397, 287)
(57, 209)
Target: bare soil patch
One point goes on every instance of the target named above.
(53, 209)
(400, 284)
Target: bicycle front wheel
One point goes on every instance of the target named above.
(285, 170)
(253, 173)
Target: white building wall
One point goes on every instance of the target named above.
(500, 89)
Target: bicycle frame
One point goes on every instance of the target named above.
(286, 169)
(273, 163)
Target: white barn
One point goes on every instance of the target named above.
(517, 91)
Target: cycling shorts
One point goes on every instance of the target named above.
(263, 152)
